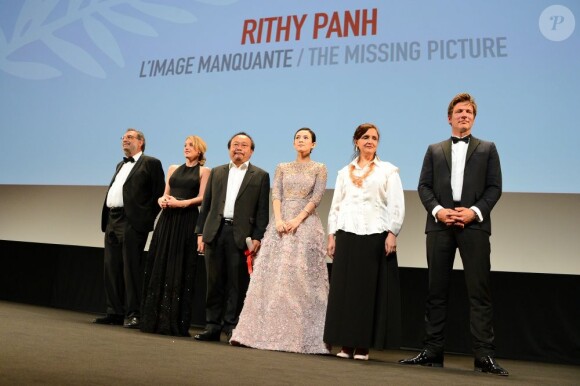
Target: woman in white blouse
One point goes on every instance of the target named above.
(366, 215)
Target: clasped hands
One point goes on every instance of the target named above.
(167, 201)
(458, 217)
(287, 226)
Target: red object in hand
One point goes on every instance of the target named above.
(249, 256)
(249, 261)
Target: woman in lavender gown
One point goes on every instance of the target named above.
(285, 305)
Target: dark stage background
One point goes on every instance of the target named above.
(536, 315)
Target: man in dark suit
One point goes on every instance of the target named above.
(460, 183)
(129, 212)
(235, 206)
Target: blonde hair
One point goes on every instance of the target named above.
(200, 146)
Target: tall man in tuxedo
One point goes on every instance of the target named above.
(129, 212)
(235, 206)
(460, 183)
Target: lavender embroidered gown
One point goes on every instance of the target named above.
(285, 305)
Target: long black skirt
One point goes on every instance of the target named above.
(364, 304)
(169, 274)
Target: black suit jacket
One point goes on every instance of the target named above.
(481, 181)
(251, 211)
(144, 185)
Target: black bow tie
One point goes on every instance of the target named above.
(128, 159)
(464, 139)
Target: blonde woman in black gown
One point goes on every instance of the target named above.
(171, 262)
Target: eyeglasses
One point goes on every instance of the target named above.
(129, 137)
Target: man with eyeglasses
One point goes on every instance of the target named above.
(235, 206)
(129, 212)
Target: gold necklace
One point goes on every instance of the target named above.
(358, 181)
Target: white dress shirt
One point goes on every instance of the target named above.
(235, 178)
(377, 206)
(115, 194)
(458, 153)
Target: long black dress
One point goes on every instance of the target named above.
(171, 262)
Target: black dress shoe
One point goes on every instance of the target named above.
(133, 322)
(488, 364)
(228, 336)
(116, 320)
(424, 358)
(208, 336)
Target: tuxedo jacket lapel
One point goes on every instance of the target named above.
(447, 152)
(117, 169)
(223, 185)
(246, 180)
(138, 164)
(473, 143)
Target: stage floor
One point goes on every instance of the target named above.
(50, 346)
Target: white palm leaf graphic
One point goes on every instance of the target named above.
(33, 25)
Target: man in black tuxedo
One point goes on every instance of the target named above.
(460, 183)
(235, 206)
(128, 216)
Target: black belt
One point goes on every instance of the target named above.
(228, 221)
(117, 209)
(456, 204)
